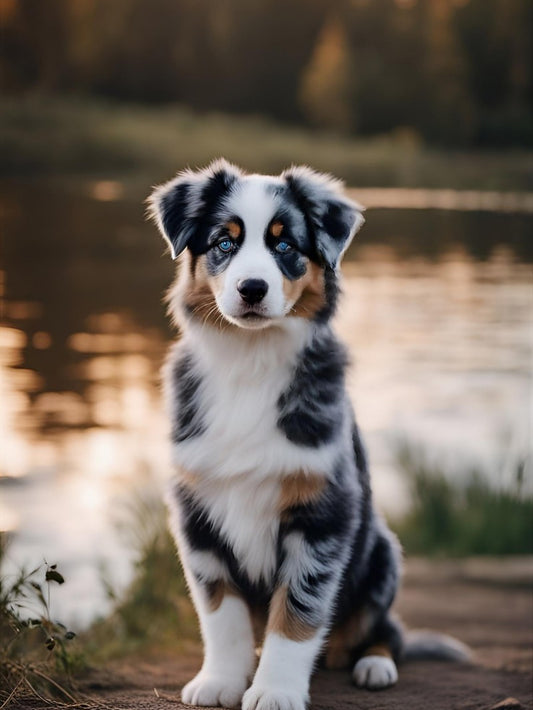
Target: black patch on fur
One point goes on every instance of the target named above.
(329, 218)
(301, 608)
(381, 580)
(186, 382)
(370, 581)
(311, 580)
(365, 532)
(360, 459)
(173, 209)
(298, 196)
(213, 193)
(371, 577)
(335, 222)
(331, 292)
(202, 535)
(292, 265)
(199, 531)
(310, 408)
(328, 517)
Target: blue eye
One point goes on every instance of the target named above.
(226, 245)
(283, 247)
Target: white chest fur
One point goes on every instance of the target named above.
(243, 376)
(247, 516)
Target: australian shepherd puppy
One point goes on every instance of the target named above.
(270, 503)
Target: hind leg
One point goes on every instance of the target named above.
(376, 669)
(363, 629)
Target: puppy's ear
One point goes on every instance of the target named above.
(333, 218)
(183, 208)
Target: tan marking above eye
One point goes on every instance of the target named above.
(276, 228)
(234, 229)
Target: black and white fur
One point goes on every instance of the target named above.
(270, 505)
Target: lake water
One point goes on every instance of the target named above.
(437, 312)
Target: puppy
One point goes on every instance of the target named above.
(270, 504)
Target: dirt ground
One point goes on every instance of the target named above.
(488, 604)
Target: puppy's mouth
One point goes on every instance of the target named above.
(251, 317)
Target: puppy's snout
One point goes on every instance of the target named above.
(252, 290)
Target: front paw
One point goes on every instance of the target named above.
(212, 690)
(271, 698)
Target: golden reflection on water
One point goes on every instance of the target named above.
(105, 429)
(464, 200)
(442, 358)
(72, 456)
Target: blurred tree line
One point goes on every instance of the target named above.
(456, 72)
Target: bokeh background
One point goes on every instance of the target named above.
(423, 107)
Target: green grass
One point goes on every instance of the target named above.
(52, 136)
(462, 515)
(36, 655)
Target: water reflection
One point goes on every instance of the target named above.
(437, 312)
(69, 455)
(443, 357)
(462, 200)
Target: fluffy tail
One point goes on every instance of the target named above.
(432, 646)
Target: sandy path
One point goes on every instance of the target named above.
(488, 604)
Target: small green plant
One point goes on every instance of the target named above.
(35, 657)
(463, 515)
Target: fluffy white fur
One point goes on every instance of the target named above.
(227, 634)
(282, 678)
(228, 656)
(240, 407)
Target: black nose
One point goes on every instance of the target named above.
(252, 290)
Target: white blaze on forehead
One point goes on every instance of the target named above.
(255, 204)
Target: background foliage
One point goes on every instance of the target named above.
(455, 72)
